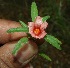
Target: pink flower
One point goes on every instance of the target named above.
(36, 28)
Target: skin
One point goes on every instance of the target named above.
(9, 41)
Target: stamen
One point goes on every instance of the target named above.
(37, 31)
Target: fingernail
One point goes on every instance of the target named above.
(26, 53)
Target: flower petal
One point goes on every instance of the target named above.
(33, 35)
(42, 34)
(38, 20)
(44, 25)
(31, 27)
(30, 24)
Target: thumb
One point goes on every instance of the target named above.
(7, 60)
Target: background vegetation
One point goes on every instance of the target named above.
(59, 26)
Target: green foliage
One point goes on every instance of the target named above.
(45, 56)
(54, 41)
(45, 18)
(34, 11)
(20, 43)
(23, 24)
(19, 29)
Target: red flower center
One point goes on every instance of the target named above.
(37, 31)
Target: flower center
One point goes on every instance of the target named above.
(37, 31)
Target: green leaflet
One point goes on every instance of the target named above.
(23, 24)
(45, 18)
(19, 44)
(54, 41)
(19, 29)
(45, 56)
(34, 11)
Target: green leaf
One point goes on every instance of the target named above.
(54, 41)
(23, 24)
(45, 18)
(19, 29)
(45, 56)
(20, 43)
(34, 11)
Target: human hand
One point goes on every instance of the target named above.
(9, 40)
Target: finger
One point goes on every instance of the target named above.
(4, 26)
(28, 51)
